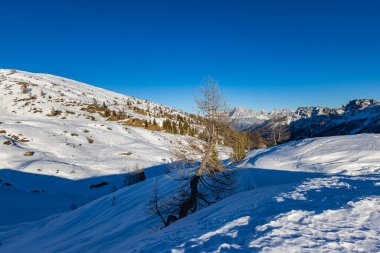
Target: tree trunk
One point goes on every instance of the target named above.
(190, 203)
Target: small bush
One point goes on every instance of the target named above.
(54, 112)
(24, 88)
(70, 112)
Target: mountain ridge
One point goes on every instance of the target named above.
(357, 116)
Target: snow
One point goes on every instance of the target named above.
(327, 231)
(349, 155)
(274, 209)
(312, 195)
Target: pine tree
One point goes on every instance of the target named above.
(170, 126)
(174, 128)
(181, 130)
(107, 113)
(179, 118)
(167, 125)
(186, 127)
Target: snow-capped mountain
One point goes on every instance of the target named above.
(244, 119)
(358, 116)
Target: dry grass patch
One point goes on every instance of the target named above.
(54, 113)
(28, 153)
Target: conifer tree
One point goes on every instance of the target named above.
(174, 128)
(181, 131)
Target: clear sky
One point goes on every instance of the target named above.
(265, 54)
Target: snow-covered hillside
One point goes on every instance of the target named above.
(349, 155)
(55, 143)
(313, 195)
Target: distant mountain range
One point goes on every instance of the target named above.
(358, 116)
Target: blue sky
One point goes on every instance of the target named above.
(265, 54)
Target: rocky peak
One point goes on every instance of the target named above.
(359, 104)
(307, 112)
(239, 112)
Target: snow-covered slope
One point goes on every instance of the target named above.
(55, 144)
(349, 155)
(24, 92)
(315, 195)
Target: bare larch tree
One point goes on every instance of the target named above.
(210, 177)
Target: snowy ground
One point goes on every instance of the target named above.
(349, 155)
(314, 195)
(72, 151)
